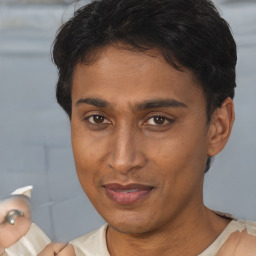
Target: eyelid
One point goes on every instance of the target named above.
(105, 119)
(168, 120)
(165, 119)
(160, 114)
(92, 114)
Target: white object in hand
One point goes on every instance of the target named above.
(26, 191)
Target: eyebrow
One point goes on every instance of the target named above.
(154, 103)
(159, 103)
(94, 102)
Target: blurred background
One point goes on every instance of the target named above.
(35, 146)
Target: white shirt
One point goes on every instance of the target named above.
(237, 236)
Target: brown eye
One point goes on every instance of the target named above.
(159, 120)
(97, 119)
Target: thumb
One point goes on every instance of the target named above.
(67, 251)
(52, 249)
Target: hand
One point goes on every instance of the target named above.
(58, 249)
(10, 234)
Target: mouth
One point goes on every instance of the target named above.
(127, 194)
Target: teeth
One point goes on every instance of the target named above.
(127, 191)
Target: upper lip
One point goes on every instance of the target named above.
(117, 186)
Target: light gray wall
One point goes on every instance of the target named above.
(20, 2)
(34, 132)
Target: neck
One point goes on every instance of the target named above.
(190, 235)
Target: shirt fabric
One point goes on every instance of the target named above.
(237, 239)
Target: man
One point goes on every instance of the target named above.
(148, 87)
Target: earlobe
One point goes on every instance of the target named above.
(220, 127)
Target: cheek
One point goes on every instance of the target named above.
(82, 151)
(179, 166)
(88, 154)
(179, 158)
(87, 170)
(172, 150)
(85, 157)
(85, 148)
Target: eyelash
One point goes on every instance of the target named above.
(166, 121)
(95, 123)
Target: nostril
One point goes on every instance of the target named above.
(127, 164)
(121, 167)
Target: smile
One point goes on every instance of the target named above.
(127, 191)
(127, 194)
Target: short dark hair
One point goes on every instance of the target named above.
(188, 33)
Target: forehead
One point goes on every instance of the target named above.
(123, 74)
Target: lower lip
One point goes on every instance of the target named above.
(127, 198)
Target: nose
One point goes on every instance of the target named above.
(126, 154)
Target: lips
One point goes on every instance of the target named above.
(127, 194)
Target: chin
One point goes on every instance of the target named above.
(131, 225)
(129, 229)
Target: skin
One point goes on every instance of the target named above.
(117, 138)
(60, 249)
(9, 234)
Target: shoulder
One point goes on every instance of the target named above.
(249, 226)
(242, 241)
(91, 244)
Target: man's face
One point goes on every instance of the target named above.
(140, 139)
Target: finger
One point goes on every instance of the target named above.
(19, 203)
(1, 250)
(52, 249)
(10, 234)
(67, 251)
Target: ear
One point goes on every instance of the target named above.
(220, 127)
